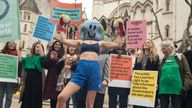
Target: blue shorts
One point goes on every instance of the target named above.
(88, 73)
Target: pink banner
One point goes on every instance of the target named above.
(136, 33)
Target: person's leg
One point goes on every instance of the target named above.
(123, 99)
(176, 101)
(36, 90)
(2, 92)
(53, 103)
(189, 99)
(69, 90)
(9, 94)
(74, 100)
(26, 98)
(99, 100)
(67, 103)
(90, 98)
(81, 97)
(112, 100)
(164, 100)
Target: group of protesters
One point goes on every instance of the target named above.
(80, 69)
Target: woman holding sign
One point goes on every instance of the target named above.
(7, 87)
(174, 76)
(147, 59)
(88, 69)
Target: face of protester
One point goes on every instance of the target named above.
(57, 46)
(166, 50)
(11, 45)
(148, 44)
(72, 50)
(37, 47)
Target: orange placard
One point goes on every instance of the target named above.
(74, 10)
(120, 67)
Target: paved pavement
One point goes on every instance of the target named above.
(46, 104)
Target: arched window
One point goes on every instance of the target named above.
(29, 16)
(25, 28)
(25, 15)
(125, 23)
(71, 33)
(167, 5)
(104, 24)
(20, 15)
(167, 31)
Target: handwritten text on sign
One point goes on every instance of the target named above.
(136, 33)
(144, 86)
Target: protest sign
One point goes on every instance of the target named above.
(8, 68)
(120, 71)
(136, 33)
(44, 29)
(73, 10)
(143, 88)
(9, 20)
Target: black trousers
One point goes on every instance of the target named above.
(53, 103)
(187, 100)
(99, 100)
(175, 100)
(32, 96)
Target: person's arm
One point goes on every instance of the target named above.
(187, 75)
(112, 45)
(106, 71)
(41, 52)
(70, 42)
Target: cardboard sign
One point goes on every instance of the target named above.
(143, 88)
(136, 33)
(8, 68)
(73, 10)
(120, 71)
(44, 29)
(9, 20)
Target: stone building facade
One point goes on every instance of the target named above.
(171, 15)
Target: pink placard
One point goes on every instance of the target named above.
(136, 33)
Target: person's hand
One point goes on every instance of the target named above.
(21, 45)
(104, 82)
(53, 55)
(18, 80)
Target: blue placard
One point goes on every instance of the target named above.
(44, 29)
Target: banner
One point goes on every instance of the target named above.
(44, 29)
(9, 20)
(73, 10)
(120, 71)
(136, 33)
(8, 68)
(143, 88)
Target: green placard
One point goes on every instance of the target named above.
(8, 68)
(9, 20)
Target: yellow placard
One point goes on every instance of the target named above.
(144, 85)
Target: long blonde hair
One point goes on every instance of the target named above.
(153, 55)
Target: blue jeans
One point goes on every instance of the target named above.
(6, 88)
